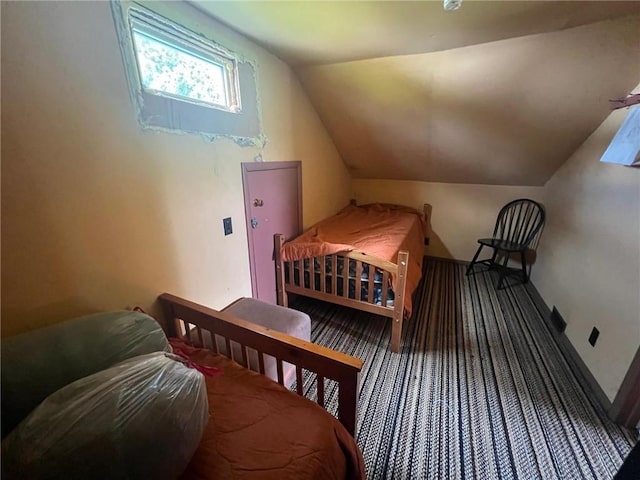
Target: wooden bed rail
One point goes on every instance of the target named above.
(184, 316)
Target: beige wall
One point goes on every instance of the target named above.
(460, 213)
(99, 215)
(589, 258)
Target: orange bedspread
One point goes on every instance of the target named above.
(379, 230)
(259, 430)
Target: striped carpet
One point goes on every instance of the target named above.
(480, 389)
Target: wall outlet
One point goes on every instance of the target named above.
(594, 336)
(226, 223)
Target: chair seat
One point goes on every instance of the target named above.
(504, 245)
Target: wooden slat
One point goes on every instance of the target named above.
(187, 333)
(227, 343)
(323, 269)
(200, 337)
(385, 288)
(320, 381)
(291, 277)
(245, 356)
(375, 261)
(334, 275)
(214, 342)
(372, 276)
(345, 277)
(299, 385)
(280, 371)
(312, 274)
(348, 394)
(261, 368)
(358, 280)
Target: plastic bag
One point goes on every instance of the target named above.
(37, 363)
(141, 419)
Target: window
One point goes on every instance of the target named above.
(182, 81)
(179, 65)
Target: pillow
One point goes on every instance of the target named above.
(37, 363)
(141, 419)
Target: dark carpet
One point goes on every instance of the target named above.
(479, 390)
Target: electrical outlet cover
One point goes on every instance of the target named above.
(226, 223)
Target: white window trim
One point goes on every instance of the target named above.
(177, 36)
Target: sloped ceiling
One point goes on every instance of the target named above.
(494, 93)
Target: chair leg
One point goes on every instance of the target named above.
(503, 270)
(493, 257)
(475, 257)
(525, 277)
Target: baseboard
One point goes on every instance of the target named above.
(586, 379)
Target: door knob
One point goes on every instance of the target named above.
(258, 202)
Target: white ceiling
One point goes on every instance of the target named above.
(494, 93)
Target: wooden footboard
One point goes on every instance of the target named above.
(353, 279)
(200, 325)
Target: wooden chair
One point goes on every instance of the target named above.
(518, 228)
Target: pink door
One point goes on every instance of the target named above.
(272, 204)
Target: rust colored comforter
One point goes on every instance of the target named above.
(259, 430)
(379, 230)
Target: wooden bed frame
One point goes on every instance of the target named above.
(198, 325)
(321, 292)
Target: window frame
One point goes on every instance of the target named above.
(161, 113)
(176, 36)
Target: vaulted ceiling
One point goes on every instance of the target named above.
(493, 93)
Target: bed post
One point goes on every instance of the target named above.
(398, 303)
(169, 318)
(278, 241)
(426, 208)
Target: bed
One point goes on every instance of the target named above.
(258, 428)
(365, 257)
